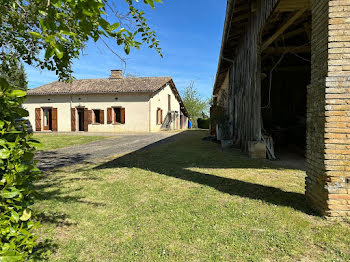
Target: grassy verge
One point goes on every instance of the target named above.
(185, 201)
(51, 141)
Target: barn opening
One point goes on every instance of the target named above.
(285, 75)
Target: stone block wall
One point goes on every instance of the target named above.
(328, 132)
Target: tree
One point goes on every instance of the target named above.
(48, 34)
(15, 75)
(194, 104)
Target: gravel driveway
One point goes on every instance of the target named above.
(98, 150)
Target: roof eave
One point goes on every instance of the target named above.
(228, 18)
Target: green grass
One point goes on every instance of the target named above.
(184, 201)
(52, 141)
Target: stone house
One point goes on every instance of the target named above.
(284, 73)
(115, 104)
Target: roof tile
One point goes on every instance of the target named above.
(102, 86)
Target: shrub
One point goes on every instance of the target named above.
(203, 123)
(17, 173)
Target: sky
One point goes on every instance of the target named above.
(190, 35)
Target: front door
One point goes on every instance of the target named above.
(81, 119)
(47, 125)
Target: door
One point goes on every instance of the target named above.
(81, 119)
(47, 124)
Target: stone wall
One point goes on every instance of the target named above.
(328, 132)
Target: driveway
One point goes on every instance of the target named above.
(98, 150)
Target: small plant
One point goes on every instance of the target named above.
(17, 173)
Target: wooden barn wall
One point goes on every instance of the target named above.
(246, 78)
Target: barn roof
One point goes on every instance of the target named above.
(236, 21)
(237, 14)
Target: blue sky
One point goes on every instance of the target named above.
(190, 36)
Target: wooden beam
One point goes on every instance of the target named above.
(293, 5)
(288, 49)
(240, 18)
(307, 27)
(282, 29)
(292, 34)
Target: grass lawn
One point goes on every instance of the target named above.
(184, 201)
(53, 141)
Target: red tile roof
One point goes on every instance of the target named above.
(102, 86)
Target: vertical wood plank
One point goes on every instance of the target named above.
(102, 116)
(109, 115)
(73, 120)
(122, 115)
(86, 120)
(37, 119)
(54, 120)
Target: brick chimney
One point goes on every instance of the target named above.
(116, 74)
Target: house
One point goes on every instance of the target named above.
(284, 74)
(115, 104)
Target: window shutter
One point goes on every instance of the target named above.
(109, 115)
(86, 119)
(73, 119)
(122, 112)
(37, 119)
(54, 119)
(89, 117)
(161, 116)
(102, 116)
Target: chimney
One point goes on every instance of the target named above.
(116, 74)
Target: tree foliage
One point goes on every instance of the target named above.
(195, 105)
(17, 172)
(15, 74)
(48, 34)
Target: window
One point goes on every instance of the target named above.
(96, 116)
(159, 116)
(117, 115)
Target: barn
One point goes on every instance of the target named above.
(284, 76)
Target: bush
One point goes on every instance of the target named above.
(203, 123)
(17, 173)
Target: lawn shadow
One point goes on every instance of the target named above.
(50, 160)
(50, 186)
(152, 158)
(43, 250)
(59, 219)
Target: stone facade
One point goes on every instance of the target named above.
(328, 136)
